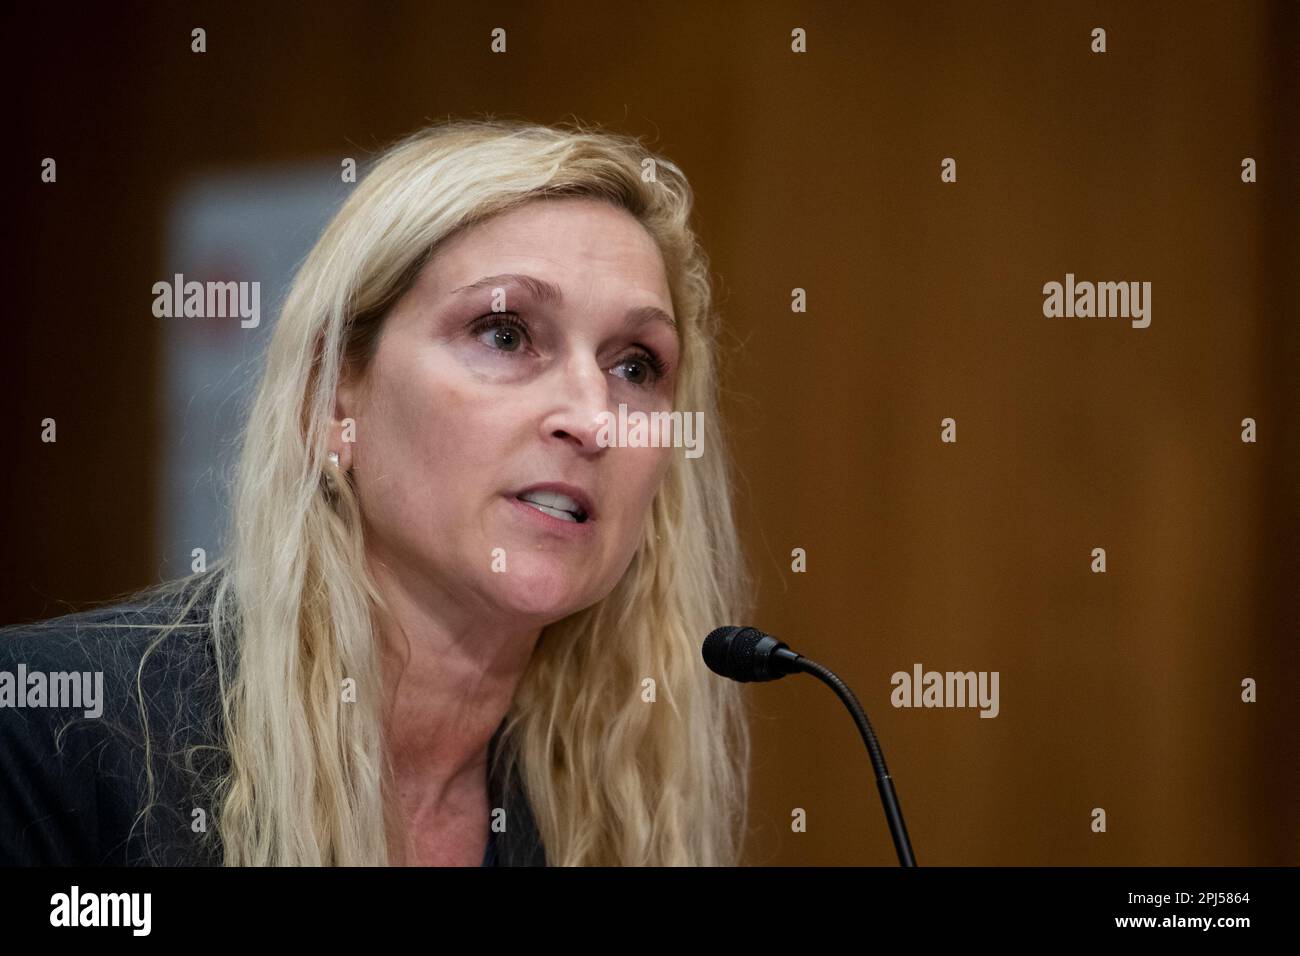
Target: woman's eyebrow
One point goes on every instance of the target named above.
(649, 313)
(540, 288)
(549, 292)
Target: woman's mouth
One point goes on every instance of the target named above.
(557, 506)
(552, 521)
(564, 503)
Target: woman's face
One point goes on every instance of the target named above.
(489, 379)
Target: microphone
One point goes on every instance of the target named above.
(748, 655)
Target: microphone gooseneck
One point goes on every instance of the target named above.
(746, 654)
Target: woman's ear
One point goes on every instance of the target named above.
(343, 427)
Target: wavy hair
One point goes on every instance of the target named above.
(611, 780)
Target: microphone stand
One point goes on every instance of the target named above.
(893, 812)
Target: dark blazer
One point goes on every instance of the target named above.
(72, 786)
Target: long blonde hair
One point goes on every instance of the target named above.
(611, 779)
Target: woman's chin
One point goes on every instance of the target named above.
(542, 597)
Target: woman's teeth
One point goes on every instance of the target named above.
(554, 504)
(553, 512)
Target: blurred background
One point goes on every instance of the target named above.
(818, 171)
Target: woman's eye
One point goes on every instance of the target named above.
(500, 333)
(647, 369)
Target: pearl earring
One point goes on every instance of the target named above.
(331, 477)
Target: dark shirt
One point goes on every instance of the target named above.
(519, 844)
(72, 786)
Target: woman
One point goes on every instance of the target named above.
(451, 620)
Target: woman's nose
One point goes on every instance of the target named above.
(576, 401)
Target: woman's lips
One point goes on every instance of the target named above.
(561, 495)
(574, 530)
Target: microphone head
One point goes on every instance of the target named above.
(745, 654)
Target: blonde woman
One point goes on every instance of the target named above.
(453, 625)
